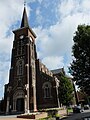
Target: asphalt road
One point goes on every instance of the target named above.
(79, 116)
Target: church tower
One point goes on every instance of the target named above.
(20, 92)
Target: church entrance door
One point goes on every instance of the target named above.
(20, 105)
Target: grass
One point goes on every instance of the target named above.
(45, 118)
(70, 110)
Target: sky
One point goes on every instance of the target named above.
(53, 21)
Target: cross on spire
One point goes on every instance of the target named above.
(24, 3)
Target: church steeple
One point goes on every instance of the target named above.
(24, 22)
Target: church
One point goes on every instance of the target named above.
(31, 85)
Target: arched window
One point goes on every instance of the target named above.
(20, 67)
(47, 89)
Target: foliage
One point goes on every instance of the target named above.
(80, 67)
(70, 110)
(65, 90)
(57, 115)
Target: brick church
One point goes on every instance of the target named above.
(31, 85)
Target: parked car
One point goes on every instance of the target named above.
(77, 109)
(86, 107)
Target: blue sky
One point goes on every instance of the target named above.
(53, 21)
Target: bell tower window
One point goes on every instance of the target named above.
(20, 47)
(20, 67)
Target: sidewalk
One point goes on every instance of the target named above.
(11, 117)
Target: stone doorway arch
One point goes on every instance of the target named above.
(19, 101)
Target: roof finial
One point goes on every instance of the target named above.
(24, 3)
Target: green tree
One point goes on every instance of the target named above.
(65, 90)
(80, 66)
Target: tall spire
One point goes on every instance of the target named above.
(24, 22)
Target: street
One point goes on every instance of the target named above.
(79, 116)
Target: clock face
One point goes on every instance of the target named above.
(31, 39)
(22, 36)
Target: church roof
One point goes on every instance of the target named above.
(24, 22)
(57, 71)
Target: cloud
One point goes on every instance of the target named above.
(39, 18)
(53, 62)
(40, 1)
(54, 42)
(66, 7)
(10, 11)
(57, 39)
(86, 5)
(4, 74)
(10, 16)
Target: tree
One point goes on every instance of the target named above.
(80, 66)
(65, 90)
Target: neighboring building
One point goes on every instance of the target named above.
(58, 73)
(81, 97)
(31, 85)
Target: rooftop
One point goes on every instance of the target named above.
(57, 71)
